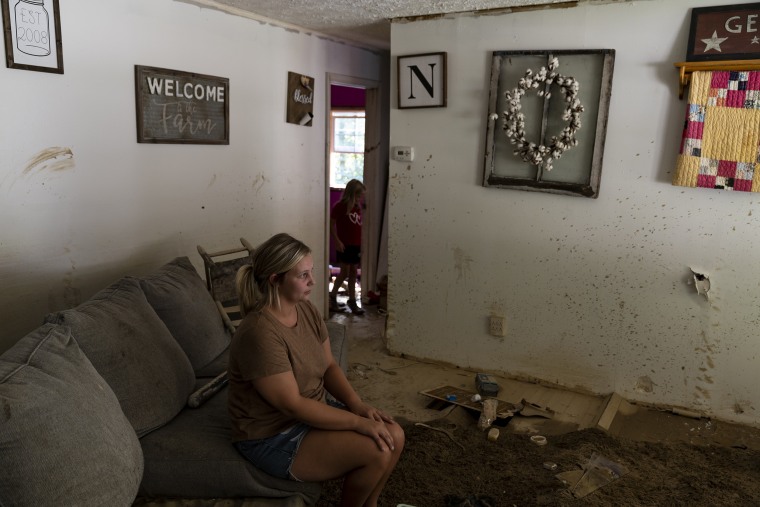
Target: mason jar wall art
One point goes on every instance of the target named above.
(32, 30)
(32, 27)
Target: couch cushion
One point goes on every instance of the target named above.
(217, 365)
(63, 437)
(181, 299)
(193, 457)
(133, 351)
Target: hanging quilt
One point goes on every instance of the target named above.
(720, 147)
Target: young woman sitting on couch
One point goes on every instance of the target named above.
(280, 370)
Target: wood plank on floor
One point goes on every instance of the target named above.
(463, 398)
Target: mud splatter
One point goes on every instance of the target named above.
(462, 263)
(72, 295)
(701, 394)
(53, 159)
(258, 182)
(644, 385)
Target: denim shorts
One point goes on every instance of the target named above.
(274, 455)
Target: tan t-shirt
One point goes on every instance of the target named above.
(262, 346)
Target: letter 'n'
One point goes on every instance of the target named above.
(428, 85)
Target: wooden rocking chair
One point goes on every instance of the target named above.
(221, 268)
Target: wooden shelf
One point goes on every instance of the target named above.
(686, 68)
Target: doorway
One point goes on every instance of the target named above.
(354, 105)
(346, 143)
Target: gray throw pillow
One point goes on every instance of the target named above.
(63, 437)
(180, 297)
(134, 352)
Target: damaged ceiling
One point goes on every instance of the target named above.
(363, 22)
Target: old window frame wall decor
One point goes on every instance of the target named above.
(578, 170)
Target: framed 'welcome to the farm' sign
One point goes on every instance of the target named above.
(181, 107)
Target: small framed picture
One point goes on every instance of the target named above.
(300, 108)
(726, 32)
(421, 80)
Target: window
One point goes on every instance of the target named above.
(346, 146)
(577, 172)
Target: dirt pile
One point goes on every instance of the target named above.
(467, 469)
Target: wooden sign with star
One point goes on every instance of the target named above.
(726, 32)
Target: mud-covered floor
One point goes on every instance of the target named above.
(467, 469)
(667, 458)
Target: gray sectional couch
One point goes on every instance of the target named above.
(93, 403)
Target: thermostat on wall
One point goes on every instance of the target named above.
(403, 153)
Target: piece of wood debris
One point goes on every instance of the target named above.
(445, 432)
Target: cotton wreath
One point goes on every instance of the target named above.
(514, 119)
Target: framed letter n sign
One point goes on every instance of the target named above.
(421, 80)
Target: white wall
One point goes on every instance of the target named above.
(596, 292)
(116, 207)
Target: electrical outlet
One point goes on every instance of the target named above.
(497, 325)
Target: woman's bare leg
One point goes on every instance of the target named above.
(399, 439)
(351, 455)
(351, 281)
(344, 272)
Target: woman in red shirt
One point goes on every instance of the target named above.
(346, 230)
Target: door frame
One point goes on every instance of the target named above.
(372, 215)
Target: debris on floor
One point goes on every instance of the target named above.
(488, 415)
(470, 501)
(597, 472)
(615, 403)
(528, 409)
(538, 439)
(486, 385)
(362, 369)
(446, 395)
(686, 413)
(448, 433)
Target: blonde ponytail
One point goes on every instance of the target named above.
(276, 256)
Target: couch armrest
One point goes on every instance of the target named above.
(339, 343)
